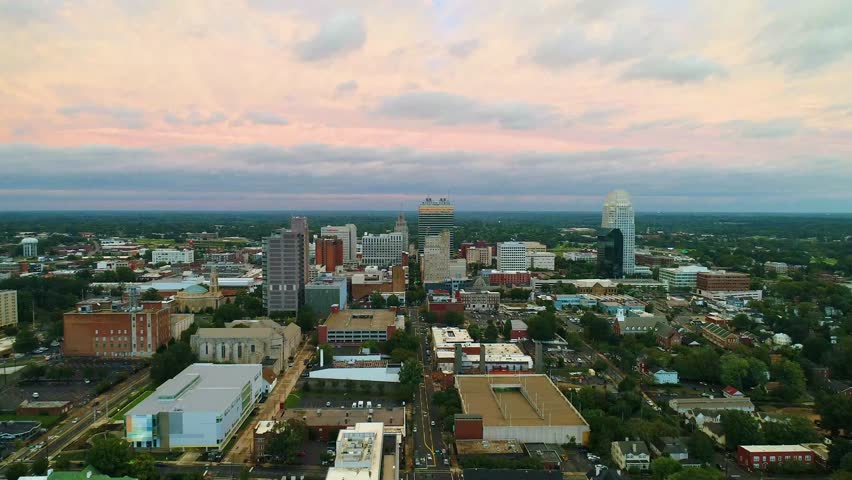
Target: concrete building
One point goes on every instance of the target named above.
(721, 281)
(386, 282)
(201, 407)
(499, 358)
(684, 405)
(180, 322)
(348, 234)
(291, 333)
(458, 269)
(524, 408)
(360, 454)
(197, 298)
(8, 308)
(618, 213)
(329, 253)
(285, 269)
(479, 255)
(172, 256)
(30, 246)
(382, 250)
(760, 457)
(433, 217)
(324, 292)
(98, 329)
(259, 345)
(401, 227)
(665, 377)
(325, 423)
(777, 267)
(535, 247)
(436, 257)
(581, 256)
(541, 260)
(511, 256)
(480, 301)
(626, 455)
(682, 278)
(354, 327)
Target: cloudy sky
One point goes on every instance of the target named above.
(374, 104)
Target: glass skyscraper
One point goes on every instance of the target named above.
(618, 213)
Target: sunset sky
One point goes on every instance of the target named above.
(688, 105)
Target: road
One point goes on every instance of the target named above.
(428, 439)
(232, 470)
(66, 432)
(241, 451)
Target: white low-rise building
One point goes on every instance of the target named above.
(172, 256)
(202, 407)
(541, 260)
(682, 278)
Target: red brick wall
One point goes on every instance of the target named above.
(79, 332)
(466, 429)
(322, 334)
(518, 334)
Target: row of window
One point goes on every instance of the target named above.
(772, 458)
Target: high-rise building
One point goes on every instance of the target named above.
(611, 254)
(402, 227)
(433, 217)
(436, 258)
(382, 250)
(285, 270)
(300, 225)
(618, 213)
(511, 256)
(30, 247)
(8, 308)
(329, 252)
(349, 235)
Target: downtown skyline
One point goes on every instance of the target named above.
(498, 105)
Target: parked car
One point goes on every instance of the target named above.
(35, 394)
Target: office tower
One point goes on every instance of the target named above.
(300, 225)
(511, 256)
(382, 250)
(611, 254)
(8, 308)
(30, 247)
(349, 235)
(285, 266)
(402, 227)
(436, 258)
(618, 213)
(329, 253)
(433, 217)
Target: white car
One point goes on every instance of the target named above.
(75, 420)
(35, 394)
(327, 404)
(433, 423)
(414, 429)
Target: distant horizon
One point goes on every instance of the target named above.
(413, 213)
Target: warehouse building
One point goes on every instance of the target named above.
(202, 407)
(524, 408)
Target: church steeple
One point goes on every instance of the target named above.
(214, 280)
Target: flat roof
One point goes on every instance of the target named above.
(364, 319)
(347, 417)
(718, 403)
(446, 337)
(359, 453)
(776, 448)
(199, 387)
(239, 332)
(527, 400)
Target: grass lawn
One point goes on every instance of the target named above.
(155, 242)
(143, 394)
(46, 421)
(293, 400)
(826, 260)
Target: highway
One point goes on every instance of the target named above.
(66, 432)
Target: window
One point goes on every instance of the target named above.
(252, 348)
(206, 349)
(223, 350)
(807, 458)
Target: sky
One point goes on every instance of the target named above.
(693, 105)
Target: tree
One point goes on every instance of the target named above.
(306, 318)
(740, 429)
(790, 430)
(453, 319)
(491, 333)
(286, 441)
(40, 466)
(598, 329)
(32, 372)
(835, 412)
(542, 326)
(16, 470)
(327, 353)
(741, 322)
(377, 300)
(392, 301)
(171, 361)
(627, 384)
(109, 455)
(698, 474)
(143, 468)
(701, 447)
(25, 340)
(244, 474)
(814, 347)
(475, 332)
(692, 364)
(227, 313)
(401, 355)
(792, 379)
(741, 372)
(151, 295)
(507, 330)
(410, 375)
(663, 467)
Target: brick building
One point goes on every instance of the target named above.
(329, 253)
(720, 281)
(97, 328)
(759, 457)
(508, 279)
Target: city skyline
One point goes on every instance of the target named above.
(499, 105)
